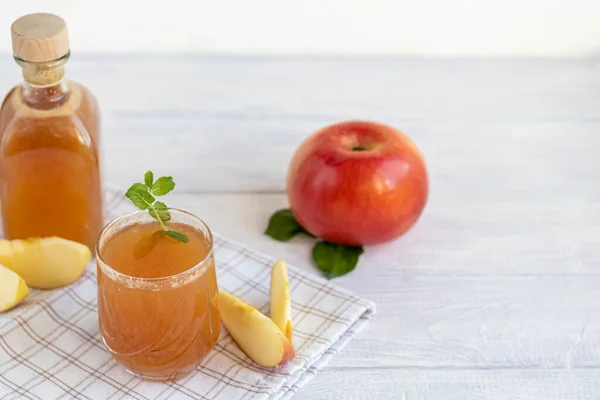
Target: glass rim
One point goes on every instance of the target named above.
(113, 272)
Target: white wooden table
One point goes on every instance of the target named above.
(495, 293)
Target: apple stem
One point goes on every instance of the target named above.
(358, 147)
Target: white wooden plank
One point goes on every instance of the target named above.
(513, 129)
(497, 239)
(334, 384)
(245, 120)
(298, 87)
(486, 322)
(468, 163)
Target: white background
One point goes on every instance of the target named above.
(542, 28)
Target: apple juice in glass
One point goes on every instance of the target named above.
(156, 294)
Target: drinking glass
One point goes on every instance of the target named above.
(158, 328)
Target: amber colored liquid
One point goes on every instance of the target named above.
(162, 331)
(49, 165)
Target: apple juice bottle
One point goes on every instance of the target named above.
(49, 127)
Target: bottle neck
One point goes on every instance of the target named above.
(44, 86)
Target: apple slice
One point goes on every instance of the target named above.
(256, 334)
(281, 303)
(13, 289)
(45, 263)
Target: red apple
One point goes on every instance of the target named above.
(357, 183)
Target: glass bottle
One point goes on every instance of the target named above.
(49, 152)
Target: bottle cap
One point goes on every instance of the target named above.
(40, 37)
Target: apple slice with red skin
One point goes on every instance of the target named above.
(281, 303)
(256, 334)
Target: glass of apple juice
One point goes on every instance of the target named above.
(156, 307)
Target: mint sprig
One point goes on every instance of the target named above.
(142, 196)
(333, 259)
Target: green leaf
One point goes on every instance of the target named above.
(140, 186)
(162, 210)
(162, 186)
(177, 236)
(336, 259)
(139, 198)
(149, 179)
(283, 226)
(146, 244)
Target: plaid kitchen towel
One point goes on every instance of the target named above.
(50, 346)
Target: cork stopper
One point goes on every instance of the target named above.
(39, 37)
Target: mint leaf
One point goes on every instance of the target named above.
(336, 259)
(177, 236)
(162, 186)
(146, 244)
(139, 197)
(149, 179)
(140, 186)
(283, 226)
(162, 210)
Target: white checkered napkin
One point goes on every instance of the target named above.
(50, 346)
